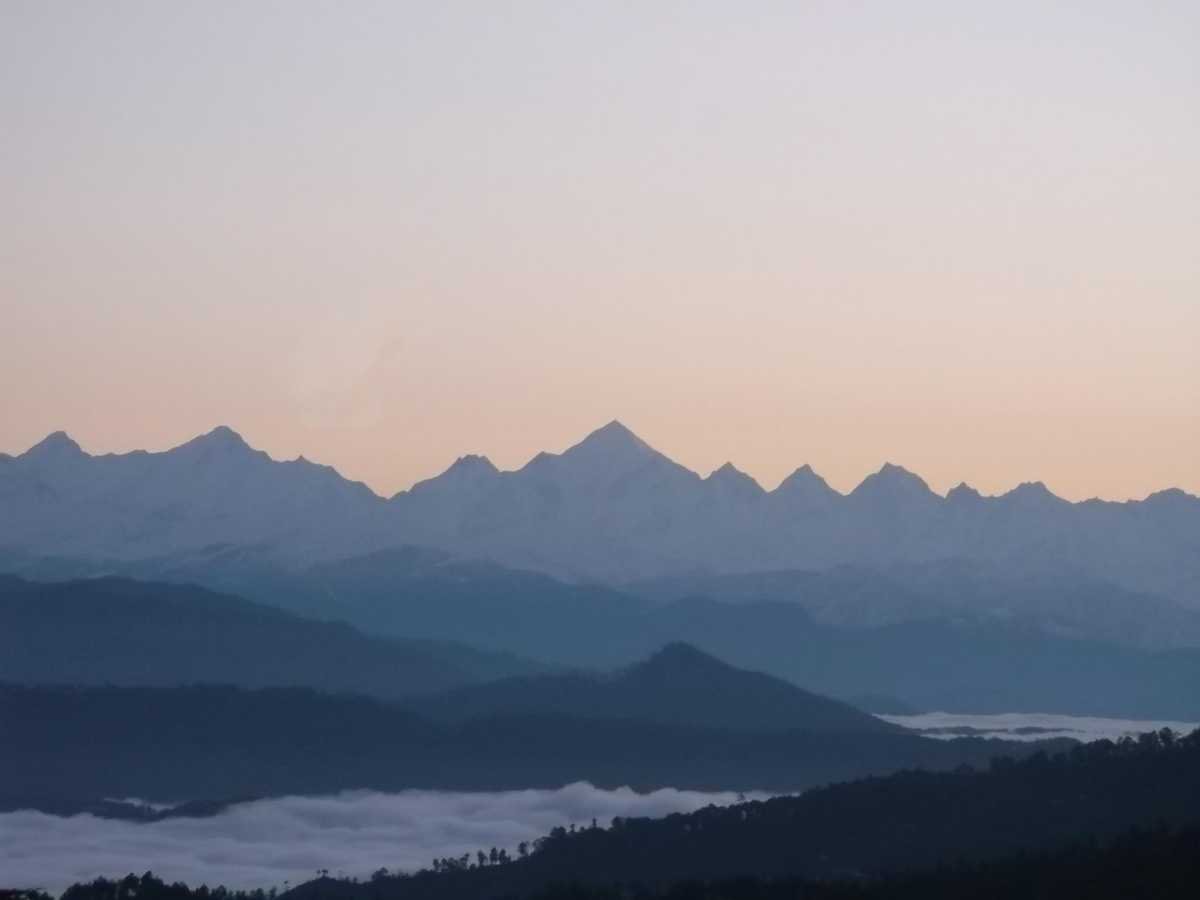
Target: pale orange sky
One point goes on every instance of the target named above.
(962, 238)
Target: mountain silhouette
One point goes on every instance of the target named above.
(677, 685)
(123, 632)
(609, 508)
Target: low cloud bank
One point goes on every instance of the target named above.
(269, 842)
(1034, 726)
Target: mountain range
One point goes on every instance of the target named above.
(404, 616)
(124, 632)
(610, 508)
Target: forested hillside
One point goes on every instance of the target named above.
(857, 832)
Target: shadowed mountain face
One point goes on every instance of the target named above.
(609, 508)
(677, 685)
(117, 631)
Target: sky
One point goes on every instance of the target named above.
(958, 237)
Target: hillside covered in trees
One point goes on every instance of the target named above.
(859, 832)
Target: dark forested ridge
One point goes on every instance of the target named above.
(125, 632)
(206, 743)
(861, 831)
(678, 685)
(1160, 863)
(1156, 863)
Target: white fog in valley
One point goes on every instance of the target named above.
(1033, 726)
(269, 842)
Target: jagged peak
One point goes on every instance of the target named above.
(1032, 491)
(471, 465)
(473, 462)
(728, 470)
(464, 469)
(55, 444)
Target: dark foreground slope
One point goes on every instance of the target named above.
(216, 742)
(119, 631)
(1158, 863)
(679, 685)
(862, 831)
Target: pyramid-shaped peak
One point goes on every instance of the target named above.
(223, 435)
(473, 462)
(220, 439)
(57, 444)
(963, 493)
(471, 466)
(730, 475)
(1032, 492)
(893, 479)
(805, 480)
(680, 656)
(612, 440)
(615, 433)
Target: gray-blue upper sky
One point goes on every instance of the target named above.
(962, 236)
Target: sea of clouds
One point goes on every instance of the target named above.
(1012, 726)
(286, 840)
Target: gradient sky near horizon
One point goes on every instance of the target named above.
(962, 237)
